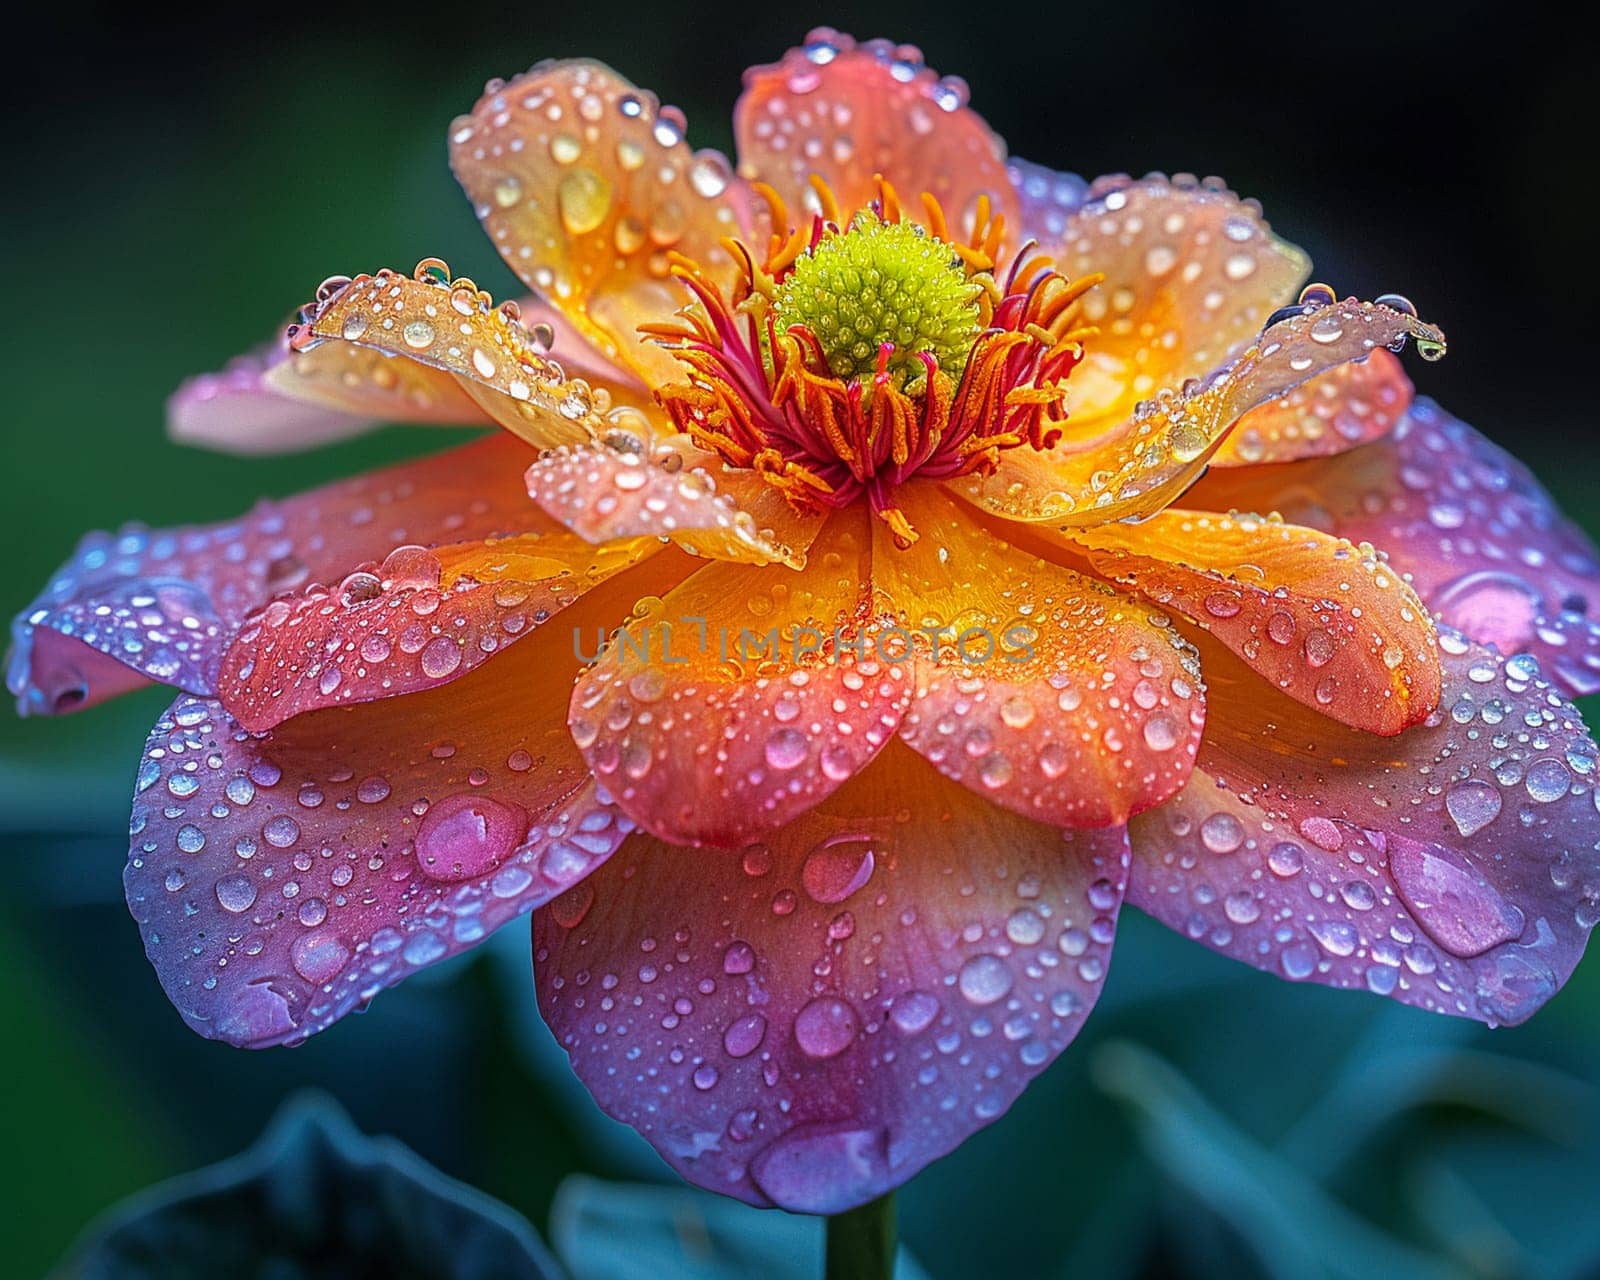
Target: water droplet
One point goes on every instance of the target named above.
(826, 1027)
(837, 868)
(1461, 911)
(984, 979)
(465, 836)
(744, 1035)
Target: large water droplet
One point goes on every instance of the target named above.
(826, 1027)
(1461, 911)
(837, 868)
(465, 836)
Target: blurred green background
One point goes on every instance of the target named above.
(175, 194)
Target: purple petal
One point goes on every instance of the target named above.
(1452, 867)
(810, 1021)
(1047, 199)
(1485, 545)
(282, 881)
(162, 605)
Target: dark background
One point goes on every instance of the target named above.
(174, 193)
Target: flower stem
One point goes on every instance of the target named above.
(861, 1242)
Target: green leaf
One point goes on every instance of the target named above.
(313, 1199)
(1296, 1230)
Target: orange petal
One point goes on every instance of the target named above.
(678, 492)
(584, 182)
(423, 617)
(1340, 409)
(847, 112)
(455, 327)
(1149, 460)
(1039, 688)
(1327, 622)
(1191, 274)
(728, 708)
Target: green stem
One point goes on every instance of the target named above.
(861, 1242)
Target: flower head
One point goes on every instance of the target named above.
(821, 652)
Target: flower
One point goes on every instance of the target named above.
(874, 447)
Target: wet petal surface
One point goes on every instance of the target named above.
(419, 619)
(1339, 410)
(1046, 198)
(1191, 275)
(831, 1009)
(1452, 867)
(1484, 544)
(848, 112)
(1038, 688)
(164, 603)
(670, 490)
(281, 882)
(585, 183)
(453, 327)
(1327, 622)
(733, 706)
(1145, 463)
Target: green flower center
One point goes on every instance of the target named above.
(883, 282)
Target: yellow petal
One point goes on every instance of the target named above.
(1150, 459)
(1191, 274)
(584, 183)
(454, 326)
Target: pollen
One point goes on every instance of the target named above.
(883, 283)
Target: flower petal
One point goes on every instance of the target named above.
(1329, 623)
(848, 112)
(584, 183)
(453, 326)
(1483, 543)
(1343, 408)
(1191, 275)
(1150, 459)
(1046, 199)
(825, 1013)
(277, 401)
(670, 489)
(164, 603)
(1452, 868)
(421, 618)
(732, 708)
(1040, 689)
(280, 881)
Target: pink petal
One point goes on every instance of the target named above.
(276, 401)
(164, 603)
(848, 111)
(670, 489)
(731, 709)
(809, 1022)
(421, 618)
(1484, 544)
(1452, 868)
(281, 881)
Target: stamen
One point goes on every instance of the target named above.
(860, 353)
